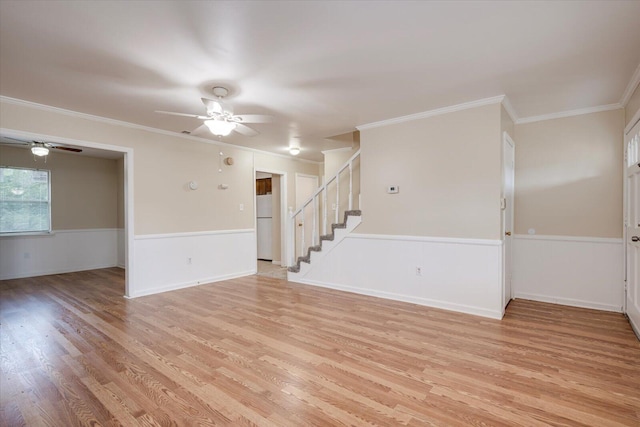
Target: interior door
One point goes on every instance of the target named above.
(632, 225)
(305, 187)
(508, 186)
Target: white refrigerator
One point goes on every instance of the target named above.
(263, 212)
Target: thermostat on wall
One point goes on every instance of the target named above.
(393, 189)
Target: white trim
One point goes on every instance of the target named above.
(493, 314)
(607, 240)
(192, 234)
(569, 113)
(435, 112)
(48, 108)
(453, 240)
(634, 120)
(508, 107)
(568, 301)
(634, 327)
(284, 212)
(184, 285)
(335, 150)
(128, 181)
(631, 87)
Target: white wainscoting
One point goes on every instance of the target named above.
(62, 251)
(463, 275)
(122, 252)
(165, 262)
(577, 271)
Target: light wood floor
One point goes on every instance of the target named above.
(261, 351)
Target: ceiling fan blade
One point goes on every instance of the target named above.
(200, 130)
(60, 147)
(245, 130)
(171, 113)
(253, 118)
(12, 141)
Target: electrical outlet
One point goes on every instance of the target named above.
(189, 261)
(241, 206)
(418, 271)
(333, 206)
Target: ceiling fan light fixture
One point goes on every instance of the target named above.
(294, 151)
(220, 127)
(39, 151)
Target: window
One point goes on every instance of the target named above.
(25, 202)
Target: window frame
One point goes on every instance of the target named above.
(35, 232)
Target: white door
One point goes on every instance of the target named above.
(305, 187)
(508, 185)
(632, 225)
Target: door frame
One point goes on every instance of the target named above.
(507, 141)
(127, 152)
(626, 223)
(284, 255)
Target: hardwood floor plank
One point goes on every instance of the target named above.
(259, 351)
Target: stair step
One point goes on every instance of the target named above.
(328, 237)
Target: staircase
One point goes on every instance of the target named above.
(311, 241)
(338, 232)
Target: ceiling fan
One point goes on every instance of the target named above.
(38, 148)
(220, 119)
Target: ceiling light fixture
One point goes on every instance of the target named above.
(220, 127)
(294, 151)
(39, 150)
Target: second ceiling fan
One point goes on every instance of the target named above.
(220, 119)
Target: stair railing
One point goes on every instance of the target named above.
(298, 216)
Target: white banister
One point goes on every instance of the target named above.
(337, 198)
(312, 203)
(302, 234)
(313, 230)
(350, 186)
(324, 209)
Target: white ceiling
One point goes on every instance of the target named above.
(320, 68)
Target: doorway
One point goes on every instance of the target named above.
(508, 186)
(270, 222)
(632, 226)
(306, 185)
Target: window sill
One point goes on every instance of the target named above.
(27, 234)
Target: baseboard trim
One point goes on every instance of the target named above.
(460, 308)
(274, 262)
(190, 284)
(57, 271)
(635, 328)
(568, 301)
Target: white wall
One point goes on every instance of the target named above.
(456, 274)
(63, 251)
(576, 271)
(166, 262)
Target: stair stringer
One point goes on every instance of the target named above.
(352, 223)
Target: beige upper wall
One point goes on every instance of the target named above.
(84, 193)
(163, 167)
(449, 174)
(568, 175)
(633, 106)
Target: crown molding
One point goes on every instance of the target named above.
(100, 119)
(508, 107)
(431, 113)
(631, 87)
(569, 113)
